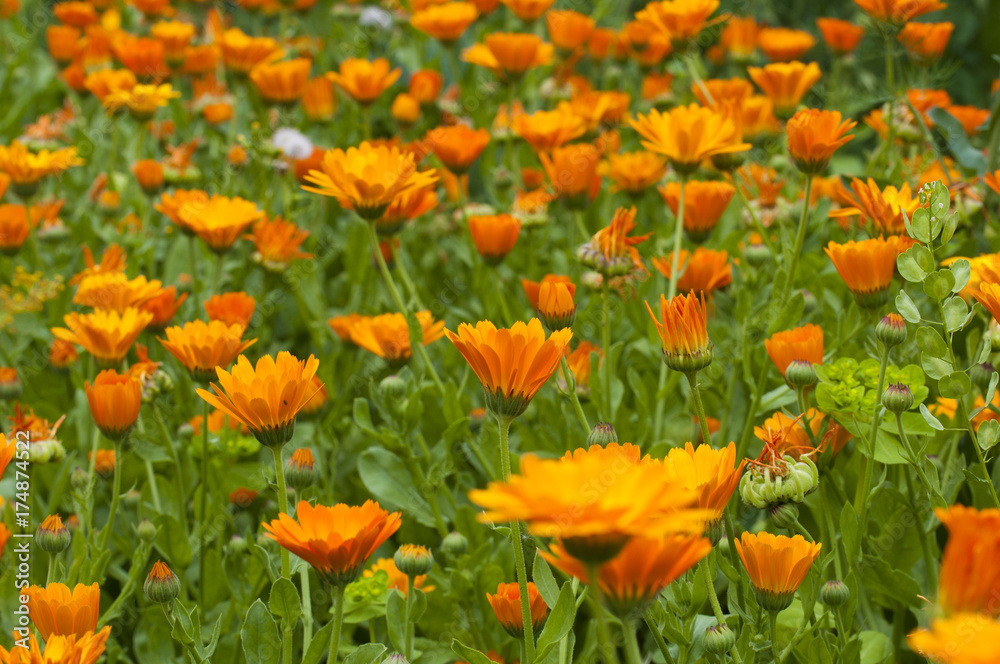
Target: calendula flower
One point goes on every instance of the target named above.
(526, 361)
(405, 110)
(175, 37)
(14, 228)
(63, 42)
(241, 53)
(966, 638)
(776, 565)
(164, 305)
(972, 119)
(926, 42)
(494, 235)
(56, 611)
(114, 291)
(633, 579)
(397, 580)
(703, 271)
(281, 82)
(336, 540)
(611, 251)
(687, 135)
(457, 146)
(867, 267)
(406, 207)
(683, 331)
(319, 101)
(277, 242)
(528, 10)
(265, 397)
(509, 54)
(572, 172)
(425, 85)
(219, 221)
(635, 172)
(785, 83)
(107, 335)
(103, 82)
(171, 203)
(712, 474)
(784, 44)
(716, 91)
(368, 178)
(114, 401)
(568, 30)
(231, 309)
(149, 174)
(202, 347)
(884, 208)
(388, 335)
(25, 168)
(813, 137)
(680, 20)
(142, 100)
(799, 344)
(364, 80)
(988, 295)
(970, 576)
(506, 605)
(445, 22)
(899, 12)
(84, 649)
(739, 37)
(546, 130)
(76, 13)
(841, 36)
(704, 204)
(552, 300)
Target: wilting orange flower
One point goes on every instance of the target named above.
(926, 42)
(813, 137)
(506, 605)
(107, 335)
(526, 360)
(202, 347)
(267, 397)
(687, 135)
(220, 221)
(899, 11)
(572, 171)
(281, 82)
(785, 83)
(397, 580)
(965, 638)
(970, 576)
(803, 344)
(712, 474)
(141, 100)
(680, 20)
(388, 335)
(364, 80)
(14, 228)
(552, 299)
(26, 168)
(425, 85)
(457, 146)
(791, 436)
(739, 37)
(528, 10)
(494, 235)
(867, 267)
(368, 178)
(445, 22)
(241, 53)
(84, 649)
(55, 611)
(841, 36)
(277, 242)
(682, 327)
(784, 44)
(704, 204)
(509, 54)
(635, 172)
(704, 271)
(319, 101)
(568, 30)
(547, 130)
(883, 208)
(776, 565)
(114, 401)
(116, 292)
(611, 251)
(336, 540)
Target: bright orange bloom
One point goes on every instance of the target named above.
(572, 172)
(568, 30)
(712, 474)
(635, 172)
(26, 168)
(970, 576)
(114, 401)
(528, 10)
(336, 540)
(757, 117)
(512, 364)
(804, 344)
(546, 130)
(141, 100)
(883, 208)
(687, 135)
(112, 260)
(281, 82)
(457, 146)
(657, 87)
(926, 42)
(704, 271)
(611, 251)
(739, 37)
(494, 235)
(445, 22)
(149, 174)
(722, 90)
(220, 221)
(107, 335)
(318, 400)
(988, 295)
(14, 228)
(506, 605)
(552, 300)
(319, 101)
(682, 327)
(55, 611)
(787, 435)
(785, 83)
(971, 119)
(152, 8)
(604, 42)
(241, 53)
(813, 137)
(841, 36)
(704, 204)
(103, 82)
(965, 638)
(144, 57)
(406, 207)
(171, 203)
(680, 20)
(425, 85)
(397, 580)
(867, 267)
(364, 80)
(202, 347)
(388, 335)
(63, 42)
(163, 306)
(899, 11)
(76, 13)
(7, 450)
(776, 565)
(509, 54)
(175, 37)
(85, 649)
(277, 242)
(784, 44)
(405, 110)
(267, 397)
(342, 325)
(201, 59)
(114, 291)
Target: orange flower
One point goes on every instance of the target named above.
(687, 135)
(63, 42)
(62, 354)
(114, 291)
(926, 42)
(266, 398)
(171, 203)
(494, 235)
(512, 364)
(368, 178)
(578, 362)
(405, 110)
(175, 37)
(397, 580)
(388, 335)
(7, 450)
(336, 540)
(635, 172)
(704, 204)
(281, 82)
(784, 44)
(757, 117)
(971, 119)
(680, 20)
(883, 208)
(364, 80)
(55, 611)
(506, 605)
(899, 11)
(103, 82)
(739, 37)
(445, 22)
(277, 242)
(867, 267)
(657, 87)
(568, 30)
(813, 137)
(721, 90)
(552, 299)
(318, 400)
(107, 335)
(319, 101)
(546, 130)
(509, 54)
(841, 36)
(241, 53)
(988, 295)
(164, 305)
(970, 576)
(152, 8)
(342, 325)
(114, 401)
(704, 271)
(141, 100)
(458, 146)
(202, 347)
(112, 260)
(220, 221)
(802, 344)
(682, 327)
(144, 57)
(25, 168)
(76, 13)
(776, 566)
(528, 10)
(572, 172)
(406, 207)
(611, 251)
(14, 228)
(85, 649)
(785, 83)
(713, 474)
(425, 85)
(201, 59)
(966, 638)
(149, 174)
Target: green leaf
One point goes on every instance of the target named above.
(929, 341)
(955, 385)
(365, 654)
(284, 601)
(559, 622)
(789, 314)
(470, 655)
(962, 270)
(546, 583)
(988, 434)
(319, 645)
(907, 308)
(932, 421)
(261, 643)
(172, 541)
(938, 285)
(384, 474)
(909, 269)
(876, 647)
(395, 619)
(984, 354)
(935, 367)
(958, 144)
(948, 230)
(921, 225)
(956, 313)
(849, 528)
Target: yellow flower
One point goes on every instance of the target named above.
(107, 335)
(509, 55)
(142, 100)
(688, 135)
(219, 221)
(388, 335)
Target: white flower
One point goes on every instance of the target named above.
(292, 143)
(376, 18)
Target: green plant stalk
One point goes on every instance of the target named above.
(800, 529)
(758, 394)
(773, 619)
(606, 344)
(193, 251)
(864, 487)
(181, 509)
(153, 489)
(660, 642)
(699, 408)
(189, 647)
(581, 227)
(307, 617)
(217, 277)
(759, 227)
(515, 530)
(604, 646)
(203, 530)
(925, 544)
(911, 453)
(338, 623)
(410, 627)
(891, 84)
(832, 532)
(713, 598)
(632, 654)
(115, 497)
(51, 574)
(800, 238)
(282, 491)
(571, 388)
(502, 299)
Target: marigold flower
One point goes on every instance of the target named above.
(687, 135)
(704, 204)
(406, 207)
(25, 168)
(457, 146)
(62, 354)
(494, 235)
(277, 242)
(171, 203)
(281, 82)
(319, 101)
(988, 295)
(112, 260)
(776, 565)
(55, 611)
(578, 362)
(14, 228)
(103, 82)
(784, 44)
(657, 88)
(611, 251)
(425, 85)
(405, 110)
(712, 474)
(528, 10)
(970, 577)
(680, 20)
(926, 42)
(813, 137)
(552, 299)
(397, 580)
(63, 42)
(175, 37)
(704, 271)
(388, 335)
(803, 344)
(546, 130)
(971, 118)
(445, 22)
(714, 92)
(966, 638)
(84, 649)
(683, 331)
(739, 37)
(885, 208)
(635, 172)
(107, 335)
(164, 305)
(867, 267)
(572, 172)
(241, 53)
(335, 540)
(114, 291)
(265, 397)
(509, 54)
(219, 221)
(506, 605)
(142, 100)
(342, 325)
(202, 347)
(785, 83)
(899, 12)
(841, 36)
(364, 80)
(114, 401)
(149, 174)
(568, 30)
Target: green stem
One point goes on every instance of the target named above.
(606, 344)
(891, 84)
(203, 530)
(678, 234)
(660, 642)
(307, 617)
(515, 530)
(604, 646)
(773, 619)
(864, 488)
(282, 490)
(217, 277)
(571, 388)
(581, 227)
(115, 498)
(153, 489)
(758, 226)
(410, 628)
(800, 237)
(51, 574)
(632, 655)
(699, 408)
(338, 623)
(168, 439)
(195, 290)
(925, 543)
(758, 393)
(713, 598)
(800, 529)
(502, 299)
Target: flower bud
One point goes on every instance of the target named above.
(786, 480)
(413, 560)
(800, 373)
(162, 585)
(393, 386)
(981, 375)
(722, 546)
(809, 302)
(719, 639)
(79, 479)
(897, 398)
(10, 384)
(146, 530)
(299, 469)
(891, 330)
(602, 434)
(757, 254)
(835, 593)
(784, 515)
(52, 536)
(185, 431)
(454, 544)
(238, 545)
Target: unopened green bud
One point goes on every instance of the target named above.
(891, 330)
(897, 398)
(835, 593)
(413, 560)
(602, 434)
(784, 515)
(393, 386)
(800, 373)
(719, 639)
(52, 536)
(162, 585)
(454, 544)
